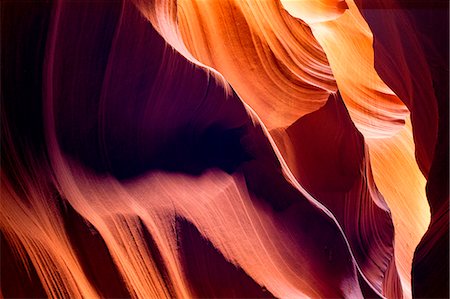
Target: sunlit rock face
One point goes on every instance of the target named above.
(224, 149)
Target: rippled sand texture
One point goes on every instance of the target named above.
(224, 149)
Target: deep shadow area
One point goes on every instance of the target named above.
(126, 104)
(210, 274)
(93, 255)
(18, 280)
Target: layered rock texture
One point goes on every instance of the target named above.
(224, 149)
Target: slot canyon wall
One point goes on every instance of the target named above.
(224, 149)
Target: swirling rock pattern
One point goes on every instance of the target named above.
(224, 149)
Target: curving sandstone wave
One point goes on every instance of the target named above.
(224, 149)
